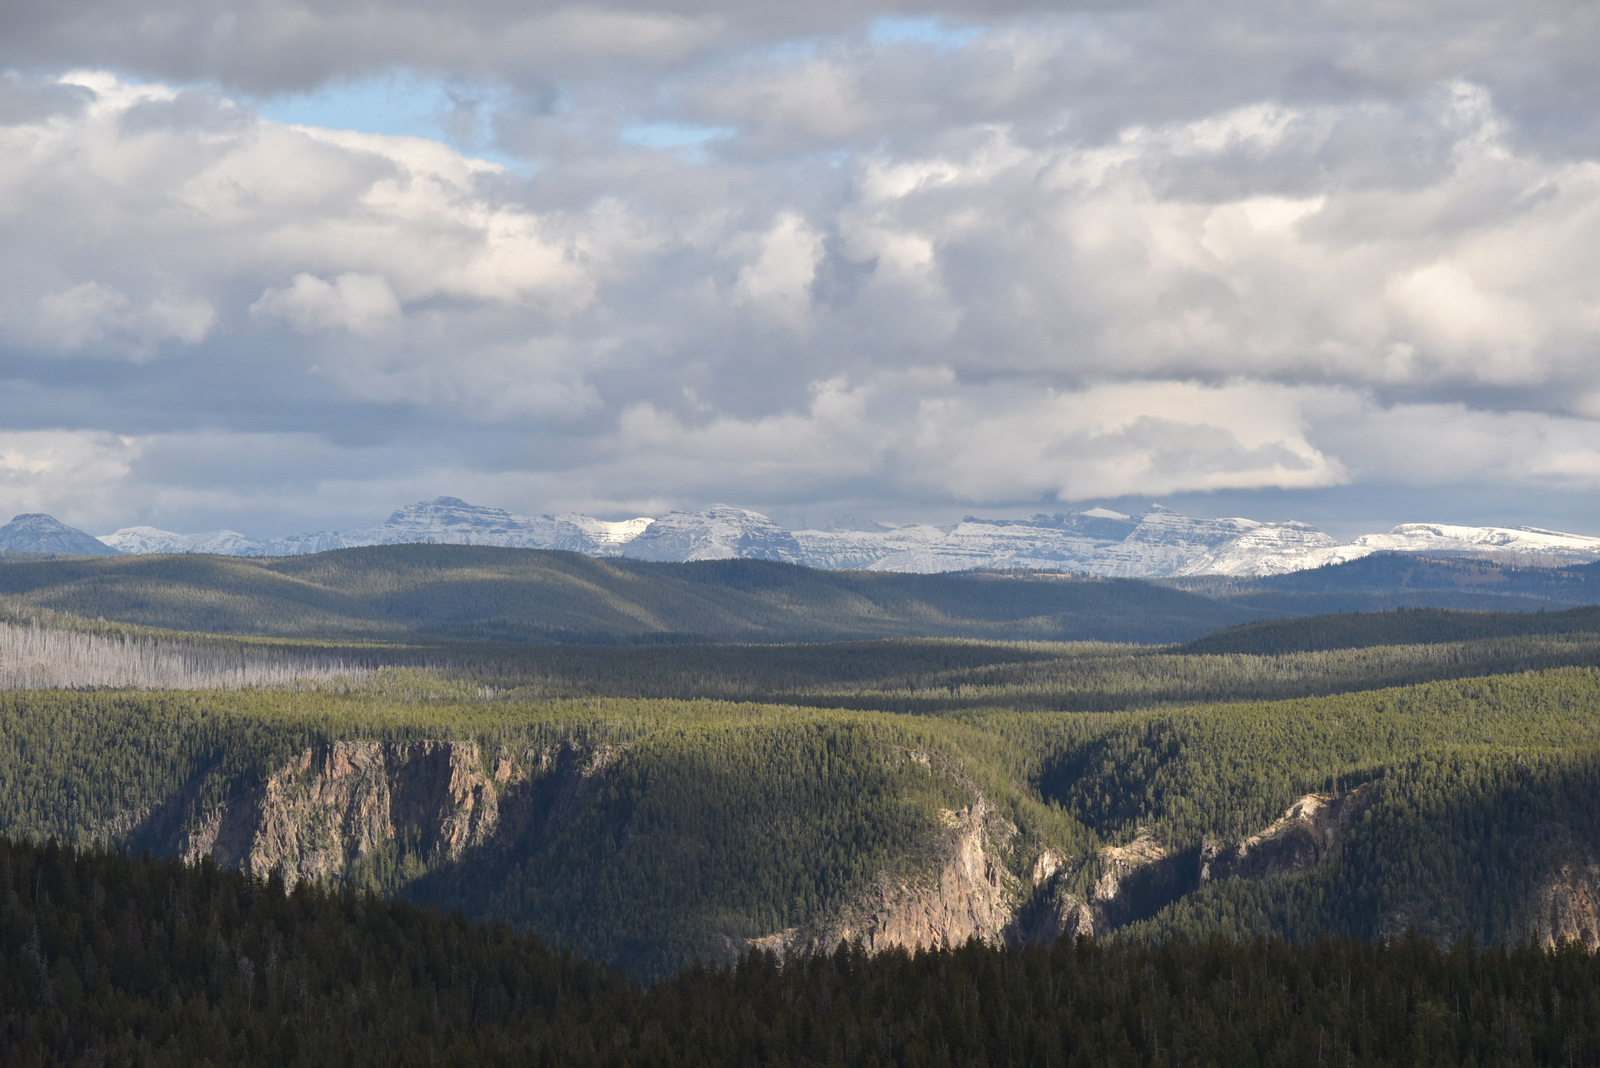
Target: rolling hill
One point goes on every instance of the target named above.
(478, 592)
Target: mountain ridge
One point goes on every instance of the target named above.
(1154, 544)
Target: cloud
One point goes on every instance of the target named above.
(92, 312)
(930, 434)
(360, 303)
(1020, 255)
(35, 465)
(780, 275)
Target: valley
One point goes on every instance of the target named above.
(901, 765)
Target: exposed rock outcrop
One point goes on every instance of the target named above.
(1566, 905)
(970, 893)
(1118, 862)
(1058, 912)
(1297, 840)
(335, 805)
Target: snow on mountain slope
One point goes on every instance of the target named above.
(604, 533)
(1443, 539)
(854, 550)
(452, 521)
(35, 532)
(1099, 541)
(1165, 543)
(146, 540)
(720, 532)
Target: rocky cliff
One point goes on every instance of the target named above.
(335, 806)
(1297, 840)
(387, 812)
(970, 893)
(1566, 905)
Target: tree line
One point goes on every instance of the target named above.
(111, 960)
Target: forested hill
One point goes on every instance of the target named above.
(462, 591)
(113, 960)
(1404, 626)
(1394, 580)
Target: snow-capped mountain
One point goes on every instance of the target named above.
(35, 532)
(1546, 546)
(1165, 543)
(1152, 544)
(720, 532)
(452, 521)
(144, 540)
(443, 520)
(603, 532)
(1099, 541)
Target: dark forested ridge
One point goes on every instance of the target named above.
(110, 960)
(1403, 626)
(1390, 580)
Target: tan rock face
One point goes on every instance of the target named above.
(332, 806)
(1566, 906)
(1297, 840)
(1118, 862)
(1059, 913)
(970, 894)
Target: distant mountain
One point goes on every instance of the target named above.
(34, 532)
(1153, 544)
(441, 521)
(721, 532)
(147, 540)
(452, 521)
(1446, 540)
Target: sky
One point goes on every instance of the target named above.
(278, 266)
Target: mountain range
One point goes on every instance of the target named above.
(1152, 544)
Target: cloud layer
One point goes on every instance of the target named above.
(800, 258)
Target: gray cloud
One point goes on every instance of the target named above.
(1163, 249)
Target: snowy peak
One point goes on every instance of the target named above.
(1099, 541)
(149, 540)
(720, 532)
(1530, 544)
(452, 521)
(603, 532)
(35, 532)
(1430, 537)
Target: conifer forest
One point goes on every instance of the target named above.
(422, 806)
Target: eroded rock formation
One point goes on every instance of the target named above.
(1297, 840)
(334, 806)
(969, 893)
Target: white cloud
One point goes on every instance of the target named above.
(67, 472)
(921, 431)
(1070, 255)
(779, 278)
(360, 303)
(90, 313)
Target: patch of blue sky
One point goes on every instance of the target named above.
(922, 29)
(400, 104)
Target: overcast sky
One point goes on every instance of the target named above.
(277, 266)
